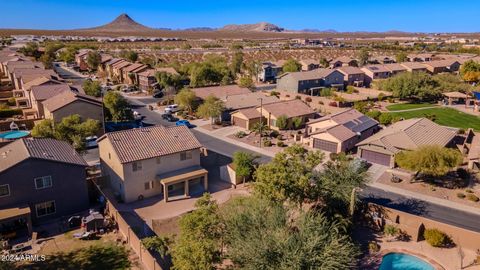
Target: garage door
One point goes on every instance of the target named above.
(240, 122)
(325, 145)
(376, 157)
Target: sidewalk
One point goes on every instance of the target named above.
(431, 199)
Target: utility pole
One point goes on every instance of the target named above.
(261, 121)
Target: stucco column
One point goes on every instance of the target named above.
(205, 182)
(165, 192)
(187, 192)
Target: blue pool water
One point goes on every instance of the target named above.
(14, 134)
(400, 261)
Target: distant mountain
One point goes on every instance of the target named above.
(257, 27)
(318, 31)
(122, 23)
(199, 29)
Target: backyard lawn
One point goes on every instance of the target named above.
(408, 106)
(445, 117)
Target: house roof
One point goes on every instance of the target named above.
(413, 65)
(348, 70)
(290, 108)
(236, 102)
(308, 62)
(220, 92)
(11, 66)
(114, 61)
(43, 92)
(409, 135)
(134, 67)
(376, 68)
(105, 58)
(249, 113)
(440, 63)
(455, 94)
(38, 148)
(144, 143)
(121, 64)
(316, 74)
(394, 67)
(30, 73)
(66, 97)
(39, 81)
(151, 72)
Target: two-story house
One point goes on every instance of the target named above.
(157, 160)
(40, 179)
(310, 82)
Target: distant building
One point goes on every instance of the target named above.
(343, 61)
(268, 71)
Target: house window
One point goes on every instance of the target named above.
(273, 122)
(109, 156)
(43, 182)
(136, 166)
(45, 208)
(4, 190)
(159, 160)
(186, 155)
(149, 185)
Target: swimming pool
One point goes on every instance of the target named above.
(400, 261)
(14, 134)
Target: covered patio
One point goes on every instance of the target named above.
(182, 179)
(456, 98)
(15, 221)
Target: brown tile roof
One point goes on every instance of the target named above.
(348, 70)
(220, 92)
(64, 98)
(29, 73)
(290, 108)
(236, 102)
(105, 58)
(410, 134)
(144, 143)
(134, 67)
(413, 65)
(315, 74)
(394, 67)
(114, 61)
(121, 64)
(249, 113)
(38, 148)
(43, 92)
(440, 63)
(39, 81)
(11, 66)
(376, 68)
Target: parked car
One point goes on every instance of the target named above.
(91, 142)
(169, 117)
(172, 108)
(183, 123)
(137, 115)
(158, 94)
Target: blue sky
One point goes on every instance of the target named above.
(345, 15)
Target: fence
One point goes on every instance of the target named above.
(147, 259)
(29, 123)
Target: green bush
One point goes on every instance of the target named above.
(280, 144)
(373, 247)
(5, 113)
(240, 134)
(391, 230)
(436, 238)
(350, 89)
(460, 195)
(267, 143)
(468, 190)
(472, 197)
(11, 101)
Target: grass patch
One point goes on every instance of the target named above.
(408, 106)
(445, 117)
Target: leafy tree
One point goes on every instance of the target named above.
(288, 176)
(361, 106)
(70, 129)
(363, 56)
(451, 82)
(261, 234)
(327, 92)
(436, 238)
(247, 82)
(30, 49)
(291, 65)
(431, 160)
(160, 244)
(244, 164)
(93, 60)
(92, 88)
(237, 62)
(417, 85)
(130, 55)
(186, 98)
(211, 108)
(213, 70)
(324, 62)
(166, 80)
(385, 119)
(401, 57)
(200, 241)
(117, 107)
(297, 122)
(260, 128)
(282, 122)
(68, 54)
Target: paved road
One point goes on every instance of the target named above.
(67, 74)
(437, 212)
(422, 208)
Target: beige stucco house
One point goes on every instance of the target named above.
(67, 103)
(146, 162)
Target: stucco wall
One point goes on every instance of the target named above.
(84, 109)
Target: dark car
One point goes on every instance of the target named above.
(158, 94)
(169, 117)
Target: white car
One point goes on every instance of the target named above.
(91, 142)
(172, 108)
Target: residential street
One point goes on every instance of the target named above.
(418, 207)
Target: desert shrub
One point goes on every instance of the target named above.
(333, 156)
(350, 89)
(298, 97)
(373, 247)
(267, 143)
(375, 114)
(279, 137)
(385, 119)
(468, 190)
(436, 238)
(240, 134)
(460, 195)
(391, 230)
(282, 122)
(280, 144)
(287, 96)
(320, 102)
(472, 197)
(333, 104)
(380, 97)
(308, 99)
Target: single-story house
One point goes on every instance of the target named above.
(339, 132)
(375, 72)
(244, 101)
(440, 66)
(343, 61)
(395, 68)
(421, 57)
(405, 135)
(414, 66)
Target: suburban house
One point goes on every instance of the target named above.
(422, 57)
(440, 66)
(145, 162)
(21, 76)
(414, 66)
(40, 93)
(270, 70)
(395, 68)
(103, 63)
(343, 61)
(24, 97)
(147, 80)
(12, 66)
(339, 132)
(130, 73)
(381, 60)
(352, 75)
(67, 103)
(375, 72)
(81, 59)
(109, 66)
(244, 101)
(117, 71)
(309, 64)
(269, 113)
(405, 135)
(310, 82)
(41, 179)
